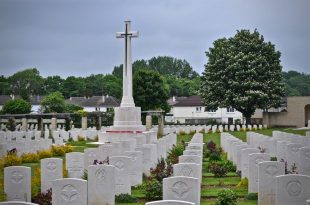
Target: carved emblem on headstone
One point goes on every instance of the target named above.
(119, 165)
(186, 171)
(271, 170)
(17, 177)
(294, 188)
(179, 189)
(69, 193)
(100, 174)
(51, 166)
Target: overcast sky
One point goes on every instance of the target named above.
(77, 37)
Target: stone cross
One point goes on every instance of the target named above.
(127, 100)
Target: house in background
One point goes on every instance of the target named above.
(191, 110)
(95, 103)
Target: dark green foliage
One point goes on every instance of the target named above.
(125, 198)
(150, 92)
(174, 153)
(296, 84)
(18, 106)
(26, 82)
(242, 72)
(229, 166)
(218, 169)
(251, 196)
(71, 108)
(226, 197)
(11, 125)
(53, 102)
(43, 198)
(153, 190)
(273, 159)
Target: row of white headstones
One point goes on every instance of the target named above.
(266, 177)
(127, 162)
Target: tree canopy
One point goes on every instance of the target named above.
(242, 72)
(150, 92)
(54, 102)
(17, 106)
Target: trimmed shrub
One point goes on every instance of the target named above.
(243, 183)
(217, 169)
(18, 106)
(125, 198)
(251, 196)
(58, 151)
(44, 154)
(30, 158)
(43, 198)
(153, 190)
(12, 160)
(226, 197)
(174, 153)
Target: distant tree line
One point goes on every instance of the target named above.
(177, 78)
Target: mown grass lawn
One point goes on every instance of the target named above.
(211, 185)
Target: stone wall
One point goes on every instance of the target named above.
(295, 116)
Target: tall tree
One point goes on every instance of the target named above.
(54, 102)
(73, 87)
(150, 92)
(53, 84)
(243, 72)
(27, 82)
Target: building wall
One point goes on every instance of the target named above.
(182, 113)
(295, 115)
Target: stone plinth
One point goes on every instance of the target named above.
(127, 119)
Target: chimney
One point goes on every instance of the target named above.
(103, 98)
(173, 99)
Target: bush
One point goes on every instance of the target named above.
(215, 156)
(36, 182)
(162, 170)
(174, 153)
(229, 166)
(11, 125)
(226, 197)
(251, 196)
(30, 158)
(43, 198)
(153, 190)
(217, 169)
(125, 198)
(58, 151)
(44, 154)
(182, 133)
(12, 160)
(18, 106)
(68, 148)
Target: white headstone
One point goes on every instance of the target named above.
(17, 183)
(245, 161)
(90, 155)
(75, 164)
(101, 184)
(254, 160)
(181, 188)
(292, 189)
(149, 157)
(304, 161)
(187, 170)
(51, 169)
(69, 191)
(292, 154)
(267, 172)
(136, 172)
(122, 166)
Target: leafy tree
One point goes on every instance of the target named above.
(54, 102)
(71, 108)
(166, 65)
(73, 87)
(243, 72)
(296, 84)
(27, 82)
(150, 92)
(18, 106)
(4, 86)
(53, 84)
